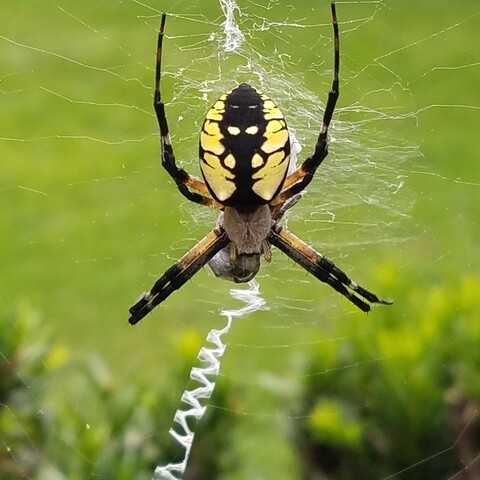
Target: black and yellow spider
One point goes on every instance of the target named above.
(244, 159)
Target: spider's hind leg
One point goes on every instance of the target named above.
(322, 268)
(178, 274)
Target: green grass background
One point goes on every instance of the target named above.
(89, 219)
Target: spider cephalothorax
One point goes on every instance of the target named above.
(244, 158)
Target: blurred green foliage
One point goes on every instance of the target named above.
(91, 426)
(412, 397)
(404, 398)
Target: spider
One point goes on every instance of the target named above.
(244, 157)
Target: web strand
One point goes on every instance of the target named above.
(210, 357)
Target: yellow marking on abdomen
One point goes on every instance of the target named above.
(210, 138)
(270, 177)
(257, 161)
(217, 177)
(230, 161)
(217, 111)
(276, 136)
(213, 114)
(233, 130)
(270, 110)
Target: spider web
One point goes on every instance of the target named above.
(86, 203)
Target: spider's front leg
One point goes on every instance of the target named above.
(179, 273)
(182, 178)
(300, 178)
(322, 268)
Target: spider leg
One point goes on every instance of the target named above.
(182, 178)
(322, 268)
(300, 178)
(179, 273)
(278, 211)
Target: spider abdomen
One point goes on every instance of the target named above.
(244, 148)
(242, 269)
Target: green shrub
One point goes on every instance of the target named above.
(62, 418)
(402, 394)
